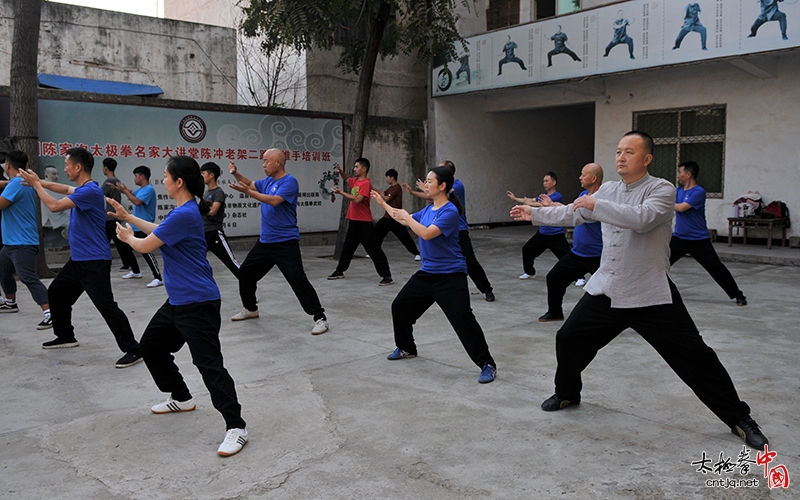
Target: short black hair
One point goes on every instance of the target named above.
(141, 169)
(552, 175)
(649, 145)
(449, 164)
(110, 163)
(17, 159)
(83, 158)
(692, 167)
(392, 173)
(213, 168)
(364, 163)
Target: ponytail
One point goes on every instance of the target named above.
(186, 168)
(444, 174)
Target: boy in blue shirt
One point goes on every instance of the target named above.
(89, 266)
(144, 207)
(691, 232)
(20, 240)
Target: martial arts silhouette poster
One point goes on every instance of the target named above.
(621, 37)
(145, 135)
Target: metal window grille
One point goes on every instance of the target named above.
(684, 134)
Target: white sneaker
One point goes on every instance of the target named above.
(172, 406)
(526, 276)
(235, 439)
(320, 327)
(245, 314)
(132, 276)
(417, 258)
(155, 283)
(580, 282)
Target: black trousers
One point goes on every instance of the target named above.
(93, 277)
(565, 50)
(286, 255)
(198, 326)
(568, 269)
(150, 258)
(474, 268)
(364, 233)
(557, 243)
(450, 292)
(386, 224)
(125, 251)
(218, 245)
(593, 323)
(703, 252)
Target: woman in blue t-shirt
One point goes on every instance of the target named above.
(191, 313)
(443, 277)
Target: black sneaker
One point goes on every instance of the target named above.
(385, 281)
(59, 343)
(555, 403)
(741, 300)
(749, 430)
(5, 307)
(551, 317)
(47, 322)
(489, 297)
(129, 359)
(336, 276)
(124, 268)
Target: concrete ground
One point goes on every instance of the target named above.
(330, 417)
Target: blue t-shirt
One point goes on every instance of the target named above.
(587, 238)
(691, 224)
(458, 188)
(279, 223)
(20, 226)
(552, 230)
(147, 210)
(441, 255)
(87, 224)
(187, 273)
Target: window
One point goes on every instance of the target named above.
(549, 8)
(502, 13)
(687, 134)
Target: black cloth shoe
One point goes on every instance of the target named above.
(386, 281)
(551, 317)
(336, 275)
(59, 343)
(129, 359)
(555, 403)
(489, 297)
(749, 430)
(741, 300)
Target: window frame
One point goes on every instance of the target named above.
(696, 139)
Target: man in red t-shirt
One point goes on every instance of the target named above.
(393, 196)
(359, 226)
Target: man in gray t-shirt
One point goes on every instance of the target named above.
(110, 190)
(213, 221)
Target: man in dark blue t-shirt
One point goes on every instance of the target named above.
(89, 266)
(279, 241)
(547, 237)
(587, 246)
(691, 232)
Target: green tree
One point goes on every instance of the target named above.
(373, 28)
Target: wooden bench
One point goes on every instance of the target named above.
(748, 222)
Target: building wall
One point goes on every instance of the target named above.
(760, 151)
(253, 69)
(188, 61)
(498, 150)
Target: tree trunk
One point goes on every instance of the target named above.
(358, 129)
(24, 106)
